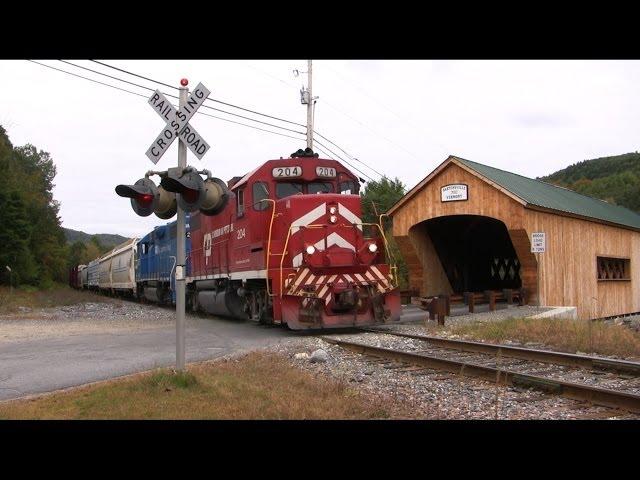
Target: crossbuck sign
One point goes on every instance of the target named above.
(177, 124)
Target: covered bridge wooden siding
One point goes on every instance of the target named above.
(484, 242)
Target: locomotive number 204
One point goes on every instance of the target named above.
(284, 172)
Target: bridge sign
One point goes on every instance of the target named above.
(538, 242)
(177, 124)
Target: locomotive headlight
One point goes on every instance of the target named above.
(311, 250)
(373, 248)
(333, 210)
(333, 219)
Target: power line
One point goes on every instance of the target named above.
(241, 116)
(174, 96)
(86, 78)
(210, 99)
(348, 155)
(351, 165)
(144, 96)
(208, 115)
(110, 76)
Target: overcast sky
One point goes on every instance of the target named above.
(402, 118)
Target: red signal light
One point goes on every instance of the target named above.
(184, 82)
(145, 199)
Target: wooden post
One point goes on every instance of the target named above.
(442, 308)
(491, 297)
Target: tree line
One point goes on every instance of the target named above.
(33, 249)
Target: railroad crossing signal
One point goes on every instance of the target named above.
(147, 198)
(177, 124)
(209, 196)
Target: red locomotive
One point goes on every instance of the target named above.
(290, 248)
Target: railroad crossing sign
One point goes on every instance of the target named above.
(538, 242)
(177, 124)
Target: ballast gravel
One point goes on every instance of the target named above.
(419, 393)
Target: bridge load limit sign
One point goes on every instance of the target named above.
(538, 242)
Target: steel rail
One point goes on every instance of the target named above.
(544, 356)
(575, 391)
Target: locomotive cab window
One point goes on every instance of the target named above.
(286, 189)
(240, 203)
(320, 187)
(260, 192)
(348, 188)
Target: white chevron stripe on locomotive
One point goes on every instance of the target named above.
(349, 215)
(332, 239)
(308, 218)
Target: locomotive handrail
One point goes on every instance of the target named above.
(273, 214)
(392, 267)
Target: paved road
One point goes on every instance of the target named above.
(45, 364)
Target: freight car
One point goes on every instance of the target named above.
(116, 269)
(290, 248)
(93, 274)
(75, 276)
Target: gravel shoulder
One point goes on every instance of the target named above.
(104, 317)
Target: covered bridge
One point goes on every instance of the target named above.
(468, 227)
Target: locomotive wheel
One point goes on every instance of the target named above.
(265, 313)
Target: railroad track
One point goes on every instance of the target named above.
(485, 361)
(545, 356)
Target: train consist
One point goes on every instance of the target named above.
(288, 248)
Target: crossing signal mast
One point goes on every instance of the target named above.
(181, 188)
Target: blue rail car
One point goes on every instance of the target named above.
(156, 264)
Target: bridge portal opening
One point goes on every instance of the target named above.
(476, 252)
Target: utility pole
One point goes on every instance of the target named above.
(309, 108)
(181, 249)
(306, 97)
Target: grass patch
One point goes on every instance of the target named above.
(565, 335)
(255, 386)
(58, 295)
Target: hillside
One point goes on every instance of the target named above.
(613, 179)
(106, 239)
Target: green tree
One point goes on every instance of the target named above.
(377, 198)
(31, 234)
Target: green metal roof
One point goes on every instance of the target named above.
(541, 194)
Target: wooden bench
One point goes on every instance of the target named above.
(488, 296)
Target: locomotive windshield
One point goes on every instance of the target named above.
(348, 188)
(320, 187)
(285, 189)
